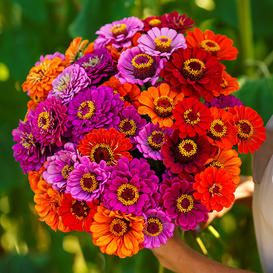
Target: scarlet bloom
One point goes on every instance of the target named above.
(158, 103)
(228, 85)
(117, 233)
(195, 71)
(214, 188)
(108, 145)
(216, 44)
(222, 131)
(77, 215)
(229, 161)
(191, 117)
(186, 155)
(250, 127)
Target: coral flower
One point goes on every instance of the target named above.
(214, 188)
(222, 131)
(77, 215)
(230, 161)
(228, 85)
(158, 103)
(195, 71)
(39, 79)
(216, 44)
(108, 145)
(250, 126)
(191, 117)
(116, 233)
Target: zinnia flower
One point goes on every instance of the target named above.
(214, 188)
(180, 205)
(48, 122)
(195, 71)
(117, 233)
(158, 228)
(186, 154)
(158, 103)
(250, 127)
(118, 33)
(191, 117)
(161, 42)
(71, 81)
(94, 108)
(108, 145)
(137, 67)
(87, 180)
(59, 166)
(224, 102)
(228, 85)
(151, 22)
(216, 44)
(132, 187)
(77, 215)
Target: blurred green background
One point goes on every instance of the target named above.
(29, 28)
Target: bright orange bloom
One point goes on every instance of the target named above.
(39, 79)
(230, 161)
(108, 145)
(47, 204)
(229, 84)
(34, 177)
(158, 103)
(117, 233)
(250, 127)
(129, 92)
(216, 44)
(214, 188)
(222, 131)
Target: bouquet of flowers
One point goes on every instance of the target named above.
(135, 133)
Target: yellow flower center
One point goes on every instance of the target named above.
(118, 227)
(102, 152)
(44, 120)
(245, 129)
(27, 140)
(153, 227)
(156, 140)
(86, 110)
(142, 60)
(66, 171)
(128, 194)
(193, 69)
(210, 45)
(154, 22)
(163, 43)
(163, 106)
(218, 129)
(216, 164)
(119, 29)
(191, 118)
(184, 203)
(89, 182)
(187, 148)
(215, 189)
(128, 127)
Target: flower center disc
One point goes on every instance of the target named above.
(210, 45)
(144, 66)
(128, 127)
(155, 140)
(216, 164)
(218, 129)
(187, 149)
(153, 227)
(245, 129)
(44, 120)
(66, 171)
(215, 189)
(163, 106)
(102, 152)
(89, 182)
(79, 209)
(163, 43)
(128, 194)
(193, 69)
(27, 140)
(92, 62)
(86, 110)
(119, 29)
(191, 118)
(119, 227)
(154, 22)
(184, 203)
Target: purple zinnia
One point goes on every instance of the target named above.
(71, 81)
(87, 180)
(150, 140)
(98, 65)
(137, 67)
(158, 228)
(92, 109)
(130, 122)
(48, 121)
(59, 166)
(27, 151)
(132, 187)
(181, 206)
(118, 33)
(224, 102)
(161, 42)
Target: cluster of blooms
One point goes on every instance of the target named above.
(136, 133)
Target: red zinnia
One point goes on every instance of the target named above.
(195, 71)
(108, 145)
(191, 117)
(77, 215)
(214, 188)
(187, 154)
(228, 85)
(250, 127)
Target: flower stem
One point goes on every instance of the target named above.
(160, 269)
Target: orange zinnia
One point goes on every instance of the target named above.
(229, 84)
(117, 233)
(34, 177)
(39, 79)
(230, 161)
(216, 44)
(158, 103)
